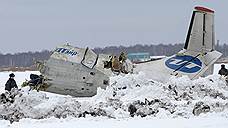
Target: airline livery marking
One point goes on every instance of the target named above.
(66, 51)
(186, 64)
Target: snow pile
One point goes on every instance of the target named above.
(37, 105)
(178, 97)
(128, 96)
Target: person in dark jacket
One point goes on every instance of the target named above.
(35, 79)
(223, 70)
(122, 57)
(11, 83)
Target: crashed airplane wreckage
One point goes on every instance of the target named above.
(78, 72)
(198, 55)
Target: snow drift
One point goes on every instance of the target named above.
(128, 96)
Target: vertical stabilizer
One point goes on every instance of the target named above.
(200, 37)
(198, 55)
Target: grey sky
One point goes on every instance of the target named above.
(34, 25)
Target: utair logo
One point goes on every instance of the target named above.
(186, 64)
(66, 51)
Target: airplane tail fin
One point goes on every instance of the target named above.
(200, 37)
(197, 57)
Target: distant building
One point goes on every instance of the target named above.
(138, 57)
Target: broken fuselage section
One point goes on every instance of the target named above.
(74, 71)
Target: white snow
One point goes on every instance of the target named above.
(174, 106)
(20, 78)
(197, 122)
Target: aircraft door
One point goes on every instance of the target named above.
(89, 59)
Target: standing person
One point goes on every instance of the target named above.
(116, 65)
(122, 57)
(223, 70)
(11, 83)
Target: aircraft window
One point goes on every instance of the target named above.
(92, 73)
(89, 84)
(105, 82)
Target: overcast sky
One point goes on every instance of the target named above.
(35, 25)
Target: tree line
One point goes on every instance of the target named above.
(27, 59)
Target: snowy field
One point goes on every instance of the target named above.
(158, 105)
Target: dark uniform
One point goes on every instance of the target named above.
(122, 57)
(11, 83)
(223, 71)
(35, 79)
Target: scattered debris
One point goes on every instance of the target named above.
(180, 97)
(200, 107)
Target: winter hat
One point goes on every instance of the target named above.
(11, 75)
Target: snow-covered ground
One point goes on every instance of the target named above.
(158, 105)
(198, 122)
(20, 78)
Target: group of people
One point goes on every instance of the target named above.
(116, 63)
(35, 79)
(11, 83)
